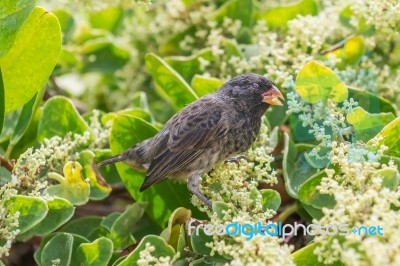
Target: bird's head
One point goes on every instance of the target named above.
(251, 91)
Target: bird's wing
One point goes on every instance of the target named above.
(189, 135)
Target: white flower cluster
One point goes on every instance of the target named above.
(51, 156)
(9, 223)
(146, 258)
(29, 172)
(361, 199)
(357, 183)
(383, 15)
(100, 134)
(235, 185)
(320, 117)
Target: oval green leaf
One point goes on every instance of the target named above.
(13, 15)
(390, 137)
(124, 225)
(57, 249)
(161, 249)
(309, 194)
(60, 117)
(296, 169)
(316, 82)
(271, 199)
(97, 253)
(188, 66)
(279, 16)
(367, 125)
(31, 59)
(99, 189)
(203, 85)
(32, 210)
(60, 211)
(172, 234)
(172, 86)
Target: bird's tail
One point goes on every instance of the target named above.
(114, 159)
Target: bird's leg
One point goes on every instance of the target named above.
(193, 186)
(236, 159)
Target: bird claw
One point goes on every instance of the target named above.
(236, 159)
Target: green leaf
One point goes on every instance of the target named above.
(238, 10)
(67, 23)
(277, 116)
(131, 112)
(29, 138)
(390, 137)
(84, 226)
(58, 248)
(316, 82)
(353, 50)
(390, 178)
(26, 116)
(300, 133)
(296, 169)
(367, 125)
(181, 244)
(10, 121)
(188, 66)
(173, 87)
(97, 253)
(32, 210)
(109, 220)
(102, 55)
(161, 249)
(220, 207)
(313, 212)
(2, 106)
(271, 199)
(60, 117)
(5, 176)
(99, 189)
(371, 102)
(231, 48)
(199, 241)
(124, 225)
(319, 160)
(13, 15)
(305, 256)
(279, 16)
(107, 19)
(72, 187)
(172, 234)
(309, 194)
(31, 59)
(163, 198)
(351, 53)
(60, 211)
(203, 85)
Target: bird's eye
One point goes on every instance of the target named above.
(255, 85)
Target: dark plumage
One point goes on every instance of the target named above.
(207, 131)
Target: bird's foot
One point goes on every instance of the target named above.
(236, 159)
(193, 186)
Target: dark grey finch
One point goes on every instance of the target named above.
(210, 130)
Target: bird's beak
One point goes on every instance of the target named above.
(272, 95)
